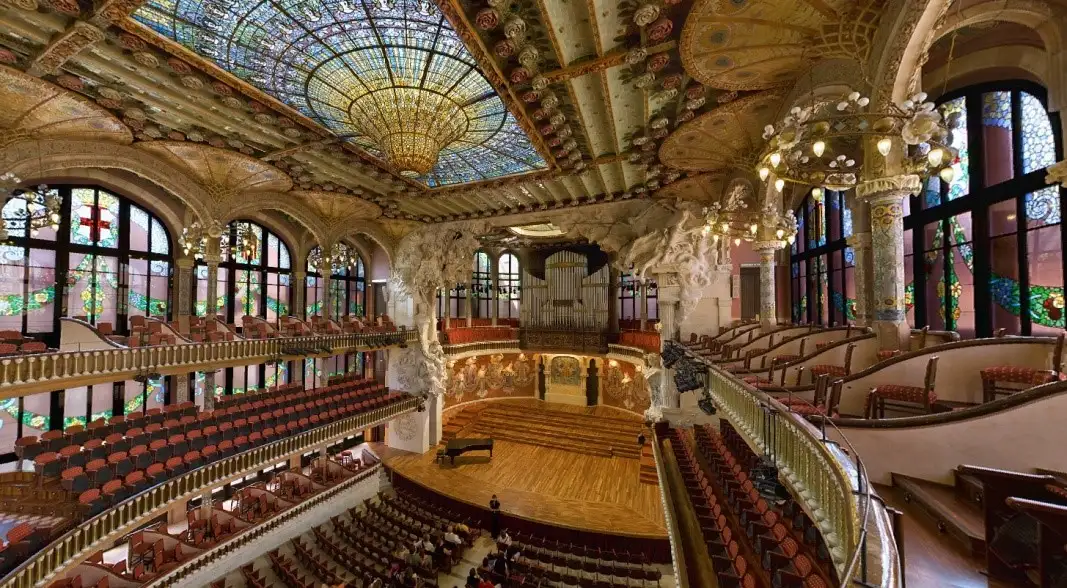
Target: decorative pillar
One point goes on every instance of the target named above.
(184, 286)
(644, 304)
(768, 310)
(470, 303)
(299, 308)
(446, 297)
(861, 251)
(325, 270)
(209, 390)
(613, 299)
(181, 389)
(669, 295)
(212, 257)
(886, 198)
(494, 292)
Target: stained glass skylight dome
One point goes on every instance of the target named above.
(363, 70)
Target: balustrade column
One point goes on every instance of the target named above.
(184, 286)
(886, 198)
(299, 308)
(768, 310)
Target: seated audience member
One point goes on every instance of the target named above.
(451, 536)
(501, 565)
(463, 530)
(472, 579)
(485, 583)
(426, 561)
(427, 545)
(504, 538)
(402, 553)
(414, 559)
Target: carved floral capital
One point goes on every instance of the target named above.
(892, 187)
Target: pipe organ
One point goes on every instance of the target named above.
(568, 297)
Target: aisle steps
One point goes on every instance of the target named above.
(957, 510)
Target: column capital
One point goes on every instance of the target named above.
(1057, 174)
(889, 188)
(859, 241)
(184, 262)
(770, 245)
(212, 259)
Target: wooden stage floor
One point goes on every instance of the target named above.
(557, 487)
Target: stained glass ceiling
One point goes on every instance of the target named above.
(320, 56)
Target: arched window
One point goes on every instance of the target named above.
(508, 286)
(109, 260)
(105, 245)
(629, 302)
(822, 265)
(984, 252)
(348, 283)
(482, 286)
(254, 275)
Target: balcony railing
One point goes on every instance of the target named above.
(832, 489)
(101, 530)
(43, 372)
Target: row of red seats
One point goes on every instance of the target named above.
(479, 334)
(285, 569)
(640, 339)
(253, 395)
(315, 562)
(117, 480)
(23, 348)
(785, 558)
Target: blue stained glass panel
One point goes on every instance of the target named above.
(321, 56)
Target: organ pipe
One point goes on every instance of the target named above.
(567, 298)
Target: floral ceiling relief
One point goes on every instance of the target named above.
(498, 375)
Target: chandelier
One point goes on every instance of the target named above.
(733, 220)
(194, 240)
(340, 256)
(409, 125)
(822, 144)
(41, 208)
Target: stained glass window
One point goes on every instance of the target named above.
(319, 57)
(347, 285)
(1025, 298)
(508, 290)
(249, 283)
(482, 286)
(822, 283)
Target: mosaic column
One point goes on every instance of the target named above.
(768, 310)
(181, 389)
(494, 293)
(886, 198)
(861, 252)
(325, 269)
(209, 390)
(212, 302)
(184, 286)
(299, 308)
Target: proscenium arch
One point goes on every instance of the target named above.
(56, 157)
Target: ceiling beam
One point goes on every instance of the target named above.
(63, 47)
(613, 58)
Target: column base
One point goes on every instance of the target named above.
(892, 334)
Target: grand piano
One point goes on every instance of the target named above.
(460, 446)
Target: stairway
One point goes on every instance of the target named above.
(459, 421)
(956, 510)
(569, 431)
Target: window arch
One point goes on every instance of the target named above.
(109, 260)
(251, 282)
(348, 284)
(105, 246)
(508, 285)
(984, 252)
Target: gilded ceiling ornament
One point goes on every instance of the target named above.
(539, 114)
(233, 102)
(570, 144)
(557, 119)
(565, 132)
(646, 14)
(68, 7)
(635, 56)
(658, 62)
(531, 96)
(547, 130)
(659, 133)
(7, 56)
(694, 91)
(109, 103)
(504, 48)
(560, 153)
(285, 123)
(487, 19)
(134, 113)
(514, 27)
(109, 93)
(694, 103)
(640, 140)
(672, 81)
(132, 43)
(539, 82)
(221, 89)
(153, 131)
(217, 142)
(529, 56)
(520, 75)
(192, 82)
(556, 142)
(549, 101)
(146, 59)
(133, 123)
(660, 29)
(292, 133)
(70, 82)
(175, 136)
(264, 118)
(178, 66)
(658, 123)
(645, 80)
(195, 136)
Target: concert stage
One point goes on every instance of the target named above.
(542, 484)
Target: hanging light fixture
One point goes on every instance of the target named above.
(764, 173)
(41, 207)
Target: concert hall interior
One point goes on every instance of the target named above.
(552, 294)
